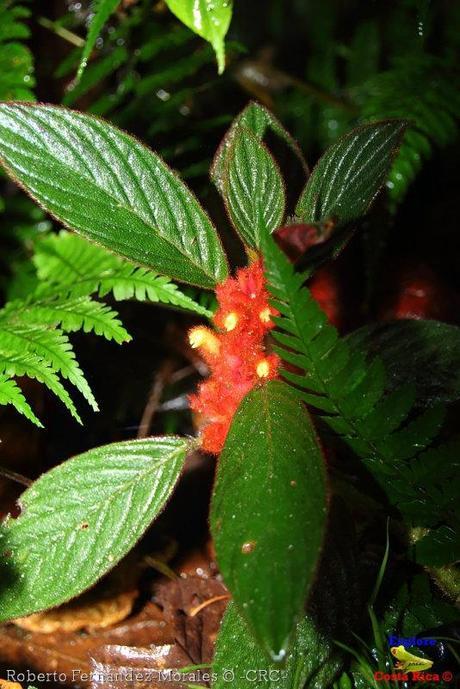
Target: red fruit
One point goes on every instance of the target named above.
(419, 293)
(324, 288)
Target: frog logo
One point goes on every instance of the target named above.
(408, 662)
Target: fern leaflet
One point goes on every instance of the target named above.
(71, 314)
(73, 266)
(10, 393)
(31, 365)
(49, 345)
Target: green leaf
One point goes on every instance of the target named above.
(310, 664)
(26, 363)
(416, 607)
(79, 313)
(79, 519)
(425, 353)
(16, 61)
(350, 174)
(259, 121)
(268, 512)
(253, 188)
(439, 547)
(102, 10)
(107, 186)
(10, 393)
(209, 19)
(52, 346)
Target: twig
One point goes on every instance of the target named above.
(210, 601)
(161, 379)
(13, 476)
(62, 32)
(269, 79)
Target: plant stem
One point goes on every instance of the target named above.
(62, 32)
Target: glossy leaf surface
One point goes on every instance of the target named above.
(107, 186)
(79, 519)
(253, 189)
(268, 512)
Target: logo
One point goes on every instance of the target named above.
(409, 666)
(411, 641)
(408, 662)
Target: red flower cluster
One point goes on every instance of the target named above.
(235, 352)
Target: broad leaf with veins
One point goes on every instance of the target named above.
(110, 188)
(79, 519)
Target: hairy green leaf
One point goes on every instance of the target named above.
(253, 188)
(425, 353)
(259, 121)
(209, 19)
(79, 519)
(107, 186)
(277, 479)
(439, 547)
(350, 174)
(310, 663)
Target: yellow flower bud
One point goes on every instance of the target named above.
(203, 338)
(263, 368)
(231, 321)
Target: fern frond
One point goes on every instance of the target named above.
(347, 391)
(11, 393)
(50, 346)
(71, 265)
(131, 282)
(426, 93)
(102, 9)
(66, 258)
(33, 338)
(16, 61)
(73, 314)
(29, 364)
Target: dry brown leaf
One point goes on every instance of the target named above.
(196, 633)
(4, 684)
(122, 667)
(67, 652)
(75, 616)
